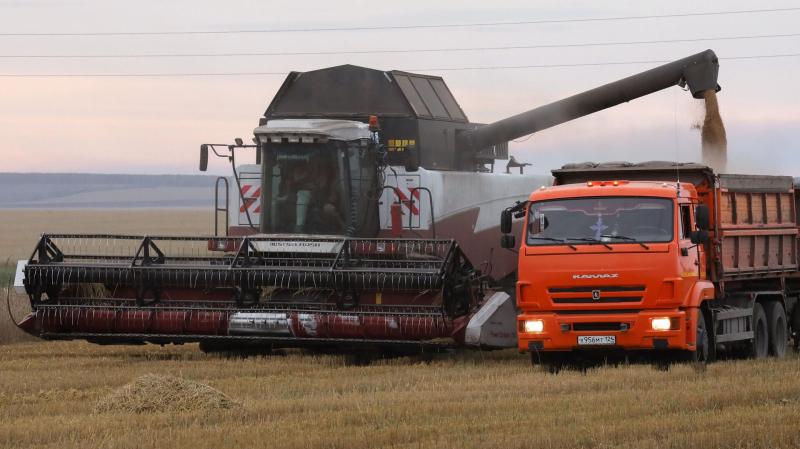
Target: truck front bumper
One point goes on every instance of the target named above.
(630, 331)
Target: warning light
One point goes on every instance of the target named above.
(590, 183)
(373, 124)
(616, 183)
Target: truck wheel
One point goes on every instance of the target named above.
(552, 367)
(759, 347)
(703, 342)
(703, 352)
(796, 326)
(776, 324)
(548, 362)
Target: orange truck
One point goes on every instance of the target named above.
(657, 260)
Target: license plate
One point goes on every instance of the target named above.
(597, 340)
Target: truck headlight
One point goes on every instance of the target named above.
(661, 324)
(534, 326)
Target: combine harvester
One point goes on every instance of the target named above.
(368, 220)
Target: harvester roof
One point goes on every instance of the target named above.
(359, 92)
(315, 128)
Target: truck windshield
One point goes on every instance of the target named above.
(315, 186)
(612, 220)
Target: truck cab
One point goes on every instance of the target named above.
(610, 264)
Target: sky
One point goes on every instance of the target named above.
(155, 125)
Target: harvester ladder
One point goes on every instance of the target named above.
(218, 209)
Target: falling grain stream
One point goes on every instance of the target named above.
(712, 135)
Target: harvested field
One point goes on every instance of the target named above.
(74, 394)
(19, 307)
(163, 393)
(48, 392)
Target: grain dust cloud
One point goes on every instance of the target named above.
(712, 135)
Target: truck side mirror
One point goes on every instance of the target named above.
(508, 241)
(699, 237)
(412, 159)
(505, 221)
(702, 218)
(203, 157)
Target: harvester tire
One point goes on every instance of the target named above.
(759, 347)
(776, 325)
(245, 298)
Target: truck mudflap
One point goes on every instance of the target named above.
(178, 289)
(494, 325)
(607, 331)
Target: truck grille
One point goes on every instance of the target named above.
(608, 294)
(592, 327)
(602, 300)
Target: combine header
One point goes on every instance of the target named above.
(369, 218)
(171, 289)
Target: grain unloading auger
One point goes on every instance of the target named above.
(359, 224)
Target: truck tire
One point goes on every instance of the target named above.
(776, 324)
(702, 351)
(547, 362)
(759, 347)
(796, 326)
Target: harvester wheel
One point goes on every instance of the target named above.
(759, 347)
(141, 292)
(776, 325)
(347, 300)
(245, 298)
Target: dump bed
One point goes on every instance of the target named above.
(756, 226)
(753, 217)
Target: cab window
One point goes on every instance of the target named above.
(686, 221)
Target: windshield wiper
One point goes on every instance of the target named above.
(627, 239)
(561, 241)
(587, 239)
